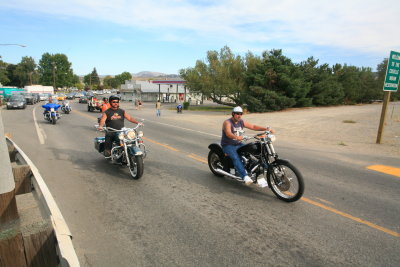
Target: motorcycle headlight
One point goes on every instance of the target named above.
(272, 137)
(131, 135)
(121, 136)
(140, 134)
(51, 109)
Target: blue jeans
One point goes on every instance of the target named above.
(158, 112)
(231, 150)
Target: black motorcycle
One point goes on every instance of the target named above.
(261, 162)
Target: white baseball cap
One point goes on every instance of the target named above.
(237, 109)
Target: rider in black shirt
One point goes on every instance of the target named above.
(113, 118)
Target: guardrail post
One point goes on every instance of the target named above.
(8, 205)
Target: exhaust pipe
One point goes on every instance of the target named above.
(229, 175)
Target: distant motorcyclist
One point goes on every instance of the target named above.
(113, 117)
(106, 105)
(50, 105)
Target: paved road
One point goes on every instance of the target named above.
(179, 214)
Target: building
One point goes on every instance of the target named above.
(168, 91)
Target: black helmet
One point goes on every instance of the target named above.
(113, 97)
(105, 99)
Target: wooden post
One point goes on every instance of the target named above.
(386, 100)
(12, 248)
(22, 177)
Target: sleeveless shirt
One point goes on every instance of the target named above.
(115, 118)
(235, 128)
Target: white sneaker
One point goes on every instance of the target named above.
(262, 182)
(247, 180)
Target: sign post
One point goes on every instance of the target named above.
(390, 84)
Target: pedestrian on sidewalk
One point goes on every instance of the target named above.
(158, 108)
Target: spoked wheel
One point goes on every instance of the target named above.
(214, 162)
(136, 166)
(285, 181)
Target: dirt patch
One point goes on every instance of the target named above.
(324, 127)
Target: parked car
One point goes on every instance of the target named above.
(30, 98)
(44, 96)
(61, 97)
(16, 101)
(37, 95)
(71, 96)
(83, 99)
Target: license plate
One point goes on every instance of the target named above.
(15, 106)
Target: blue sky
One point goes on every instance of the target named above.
(165, 36)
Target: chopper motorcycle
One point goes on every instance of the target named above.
(261, 162)
(128, 149)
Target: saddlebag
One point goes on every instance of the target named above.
(99, 143)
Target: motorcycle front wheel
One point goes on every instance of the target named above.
(53, 120)
(214, 163)
(136, 166)
(285, 181)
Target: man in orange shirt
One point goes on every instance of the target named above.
(105, 105)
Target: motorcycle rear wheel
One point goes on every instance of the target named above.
(136, 166)
(285, 181)
(214, 162)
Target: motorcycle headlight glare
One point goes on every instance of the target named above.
(140, 134)
(131, 135)
(272, 137)
(121, 136)
(51, 109)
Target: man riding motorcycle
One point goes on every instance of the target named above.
(50, 105)
(113, 118)
(232, 130)
(106, 105)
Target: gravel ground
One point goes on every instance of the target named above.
(346, 128)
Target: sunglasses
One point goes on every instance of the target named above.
(114, 101)
(238, 113)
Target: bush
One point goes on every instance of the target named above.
(186, 105)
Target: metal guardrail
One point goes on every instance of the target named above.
(65, 248)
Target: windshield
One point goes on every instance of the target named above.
(16, 97)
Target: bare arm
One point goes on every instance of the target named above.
(102, 121)
(131, 119)
(257, 128)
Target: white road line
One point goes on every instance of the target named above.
(186, 129)
(41, 134)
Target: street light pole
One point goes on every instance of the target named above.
(21, 45)
(54, 75)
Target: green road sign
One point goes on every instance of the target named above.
(392, 72)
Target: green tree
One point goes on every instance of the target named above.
(275, 83)
(4, 79)
(92, 79)
(121, 78)
(220, 77)
(325, 89)
(26, 71)
(55, 70)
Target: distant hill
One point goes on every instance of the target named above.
(152, 74)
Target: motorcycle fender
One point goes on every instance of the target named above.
(217, 149)
(135, 151)
(279, 161)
